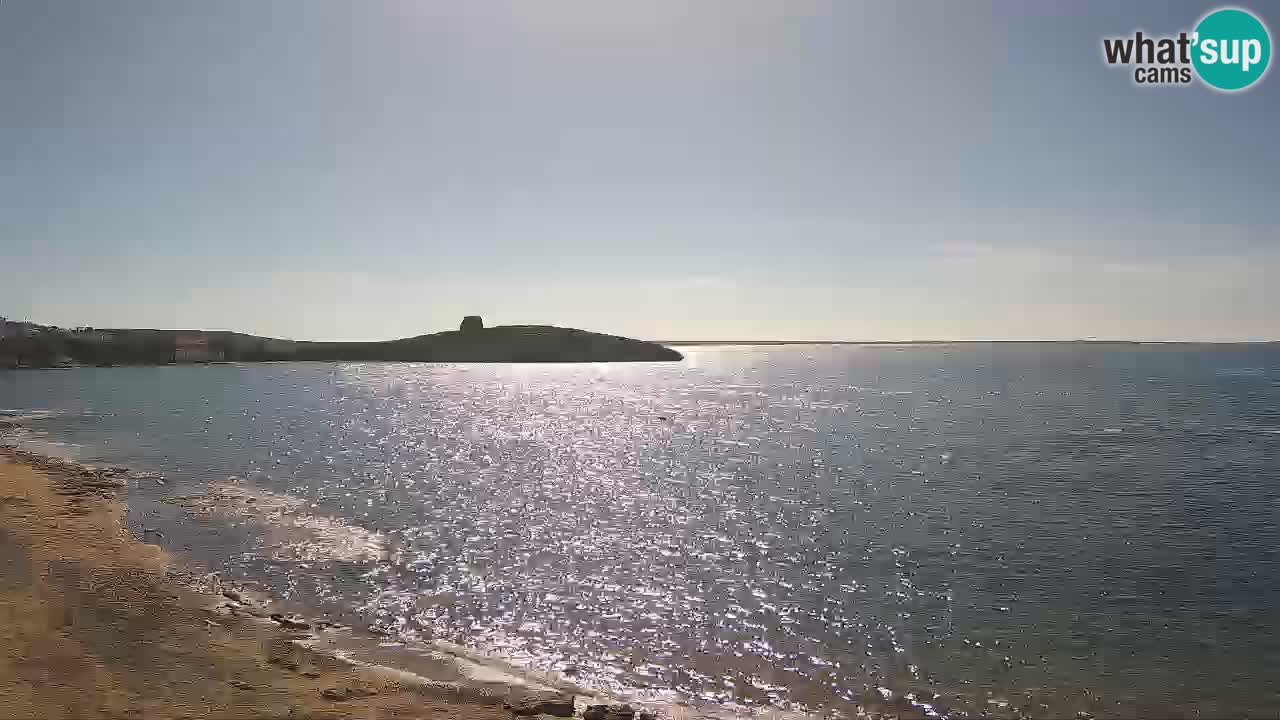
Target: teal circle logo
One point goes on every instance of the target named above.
(1232, 49)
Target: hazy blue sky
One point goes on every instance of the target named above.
(667, 170)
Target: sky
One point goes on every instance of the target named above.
(725, 169)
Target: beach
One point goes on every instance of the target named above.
(95, 623)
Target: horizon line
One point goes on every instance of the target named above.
(774, 342)
(1083, 341)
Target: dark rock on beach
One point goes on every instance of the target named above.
(289, 623)
(556, 704)
(609, 712)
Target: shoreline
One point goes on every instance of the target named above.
(96, 623)
(248, 665)
(1032, 657)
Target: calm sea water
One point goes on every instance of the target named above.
(1034, 529)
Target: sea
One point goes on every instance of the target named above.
(1002, 530)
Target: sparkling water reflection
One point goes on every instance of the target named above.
(1021, 529)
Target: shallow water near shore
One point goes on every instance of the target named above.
(1021, 530)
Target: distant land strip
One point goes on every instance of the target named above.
(712, 343)
(26, 345)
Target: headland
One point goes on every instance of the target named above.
(29, 345)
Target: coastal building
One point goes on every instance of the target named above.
(88, 334)
(195, 349)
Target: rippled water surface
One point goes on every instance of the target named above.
(1036, 529)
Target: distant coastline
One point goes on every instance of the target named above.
(27, 345)
(716, 343)
(31, 345)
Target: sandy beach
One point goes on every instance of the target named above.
(95, 623)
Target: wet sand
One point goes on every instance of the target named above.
(96, 624)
